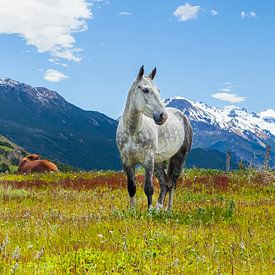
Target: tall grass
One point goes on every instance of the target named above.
(79, 223)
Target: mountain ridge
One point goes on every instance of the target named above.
(228, 129)
(42, 121)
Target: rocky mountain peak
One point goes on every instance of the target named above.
(7, 81)
(241, 131)
(21, 91)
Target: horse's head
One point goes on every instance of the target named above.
(32, 157)
(146, 98)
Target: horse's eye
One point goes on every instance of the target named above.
(145, 90)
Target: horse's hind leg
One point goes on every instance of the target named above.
(161, 176)
(176, 162)
(174, 171)
(130, 171)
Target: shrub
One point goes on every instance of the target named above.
(4, 168)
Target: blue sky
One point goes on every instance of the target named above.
(219, 52)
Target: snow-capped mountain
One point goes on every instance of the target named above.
(40, 95)
(231, 128)
(42, 121)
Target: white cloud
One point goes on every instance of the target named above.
(226, 90)
(252, 14)
(125, 13)
(101, 1)
(229, 87)
(62, 64)
(229, 97)
(267, 114)
(46, 24)
(54, 75)
(214, 12)
(245, 14)
(187, 12)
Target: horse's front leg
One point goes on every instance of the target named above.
(148, 185)
(130, 171)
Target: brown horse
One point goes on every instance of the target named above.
(33, 164)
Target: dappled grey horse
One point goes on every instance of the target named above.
(156, 137)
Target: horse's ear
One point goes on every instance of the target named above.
(140, 73)
(153, 73)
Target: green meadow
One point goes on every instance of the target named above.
(79, 223)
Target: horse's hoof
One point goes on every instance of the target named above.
(150, 208)
(133, 203)
(159, 206)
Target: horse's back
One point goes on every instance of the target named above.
(38, 166)
(171, 134)
(45, 166)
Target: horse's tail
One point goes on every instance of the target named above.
(188, 135)
(49, 166)
(177, 161)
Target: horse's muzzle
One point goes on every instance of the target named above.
(160, 118)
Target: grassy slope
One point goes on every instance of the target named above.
(78, 223)
(10, 154)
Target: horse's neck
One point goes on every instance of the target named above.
(23, 161)
(132, 121)
(131, 117)
(21, 164)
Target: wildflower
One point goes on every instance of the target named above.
(175, 262)
(100, 236)
(16, 253)
(4, 244)
(39, 253)
(242, 245)
(14, 268)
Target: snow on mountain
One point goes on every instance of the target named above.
(231, 118)
(40, 95)
(8, 81)
(228, 128)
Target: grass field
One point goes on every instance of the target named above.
(80, 224)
